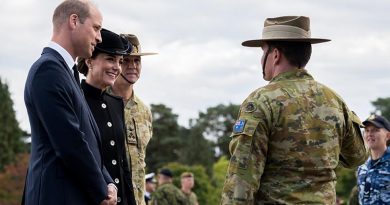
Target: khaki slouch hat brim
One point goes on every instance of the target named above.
(285, 28)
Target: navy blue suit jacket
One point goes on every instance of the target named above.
(66, 165)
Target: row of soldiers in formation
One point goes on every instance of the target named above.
(89, 139)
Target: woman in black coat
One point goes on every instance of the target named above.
(101, 70)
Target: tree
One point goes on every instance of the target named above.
(217, 123)
(12, 180)
(383, 106)
(219, 175)
(346, 180)
(10, 133)
(166, 142)
(196, 149)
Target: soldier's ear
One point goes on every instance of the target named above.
(277, 55)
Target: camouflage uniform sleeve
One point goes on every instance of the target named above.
(181, 198)
(158, 198)
(353, 152)
(248, 148)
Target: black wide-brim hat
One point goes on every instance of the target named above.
(113, 44)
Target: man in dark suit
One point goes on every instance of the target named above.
(66, 163)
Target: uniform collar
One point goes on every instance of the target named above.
(292, 74)
(135, 98)
(385, 157)
(91, 91)
(132, 100)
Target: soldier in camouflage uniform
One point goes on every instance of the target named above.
(167, 193)
(187, 183)
(138, 117)
(292, 133)
(374, 175)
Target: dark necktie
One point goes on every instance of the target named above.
(76, 74)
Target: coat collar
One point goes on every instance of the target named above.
(57, 55)
(292, 74)
(385, 157)
(91, 91)
(64, 53)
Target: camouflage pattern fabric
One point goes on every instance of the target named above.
(191, 198)
(168, 194)
(374, 181)
(289, 137)
(138, 121)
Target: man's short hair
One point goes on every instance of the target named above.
(297, 53)
(186, 174)
(69, 7)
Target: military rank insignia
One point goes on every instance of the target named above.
(239, 126)
(249, 107)
(131, 135)
(372, 117)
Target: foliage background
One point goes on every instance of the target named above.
(10, 133)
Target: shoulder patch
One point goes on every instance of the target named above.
(249, 107)
(239, 126)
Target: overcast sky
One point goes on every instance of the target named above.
(201, 62)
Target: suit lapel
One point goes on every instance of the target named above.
(79, 92)
(65, 66)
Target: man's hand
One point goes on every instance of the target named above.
(112, 195)
(112, 191)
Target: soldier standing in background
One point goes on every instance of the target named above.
(167, 193)
(292, 133)
(373, 176)
(138, 117)
(150, 186)
(187, 183)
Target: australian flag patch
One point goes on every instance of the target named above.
(239, 126)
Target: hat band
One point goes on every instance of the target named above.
(284, 31)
